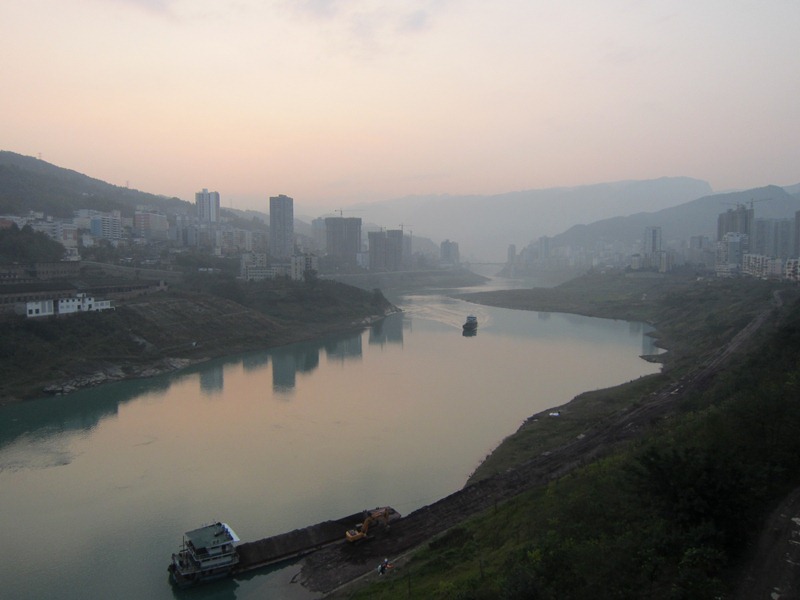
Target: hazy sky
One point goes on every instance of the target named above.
(340, 101)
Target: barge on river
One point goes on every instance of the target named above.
(470, 327)
(207, 553)
(215, 551)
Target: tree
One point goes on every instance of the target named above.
(27, 246)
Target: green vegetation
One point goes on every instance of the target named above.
(668, 515)
(215, 316)
(692, 316)
(312, 301)
(26, 246)
(27, 183)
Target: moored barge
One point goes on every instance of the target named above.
(209, 553)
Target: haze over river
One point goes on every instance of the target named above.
(97, 488)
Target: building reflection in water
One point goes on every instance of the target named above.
(287, 362)
(283, 372)
(639, 329)
(212, 380)
(255, 361)
(305, 357)
(387, 331)
(345, 348)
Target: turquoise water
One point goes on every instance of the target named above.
(97, 487)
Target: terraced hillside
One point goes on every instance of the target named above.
(162, 332)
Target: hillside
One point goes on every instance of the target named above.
(697, 217)
(163, 332)
(484, 226)
(658, 488)
(30, 184)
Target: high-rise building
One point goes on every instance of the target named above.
(448, 252)
(543, 244)
(318, 233)
(773, 237)
(651, 245)
(511, 254)
(343, 239)
(106, 225)
(207, 204)
(150, 224)
(281, 227)
(701, 251)
(730, 252)
(377, 250)
(739, 220)
(394, 250)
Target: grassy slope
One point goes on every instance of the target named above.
(668, 516)
(222, 318)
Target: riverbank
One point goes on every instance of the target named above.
(708, 329)
(692, 319)
(198, 320)
(164, 332)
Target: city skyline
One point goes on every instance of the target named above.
(344, 102)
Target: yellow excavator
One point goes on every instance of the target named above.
(376, 516)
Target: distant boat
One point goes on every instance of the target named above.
(471, 324)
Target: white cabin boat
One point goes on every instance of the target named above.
(207, 553)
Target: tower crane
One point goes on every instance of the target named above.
(341, 211)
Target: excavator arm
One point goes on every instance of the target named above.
(378, 515)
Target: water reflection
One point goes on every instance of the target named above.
(287, 362)
(212, 381)
(345, 348)
(293, 435)
(85, 409)
(387, 331)
(254, 362)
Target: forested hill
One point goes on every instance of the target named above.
(28, 183)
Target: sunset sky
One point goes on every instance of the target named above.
(335, 102)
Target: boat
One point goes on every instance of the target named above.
(471, 324)
(207, 553)
(215, 551)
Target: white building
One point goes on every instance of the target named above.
(35, 308)
(81, 303)
(791, 269)
(253, 266)
(301, 264)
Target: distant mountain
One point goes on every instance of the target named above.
(27, 183)
(794, 190)
(698, 217)
(484, 226)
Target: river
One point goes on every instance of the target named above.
(97, 487)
